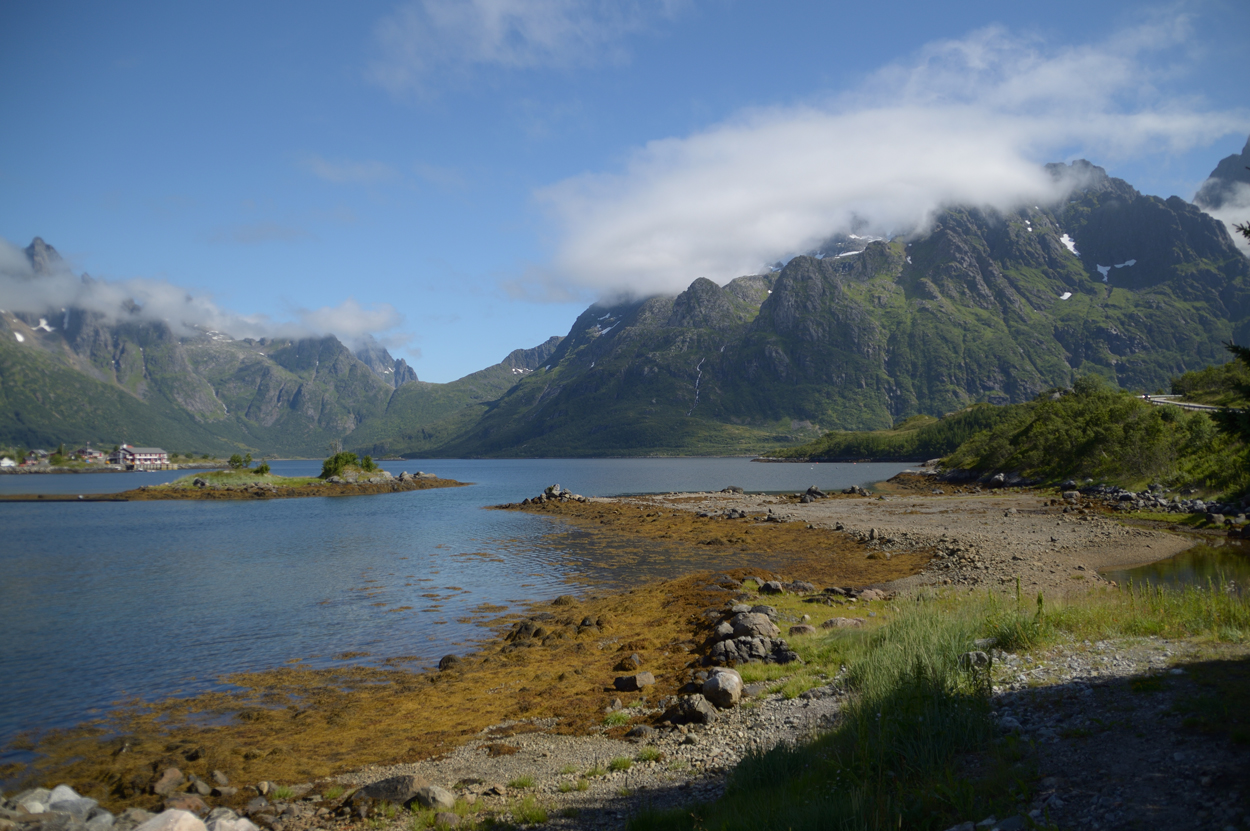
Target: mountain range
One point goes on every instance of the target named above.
(985, 305)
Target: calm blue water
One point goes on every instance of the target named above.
(101, 602)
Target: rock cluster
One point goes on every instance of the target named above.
(376, 477)
(747, 634)
(554, 493)
(63, 809)
(543, 628)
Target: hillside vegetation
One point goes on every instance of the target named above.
(1108, 435)
(1215, 385)
(917, 439)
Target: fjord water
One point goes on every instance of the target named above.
(113, 601)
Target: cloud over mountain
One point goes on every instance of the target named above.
(55, 286)
(967, 121)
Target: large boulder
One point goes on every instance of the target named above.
(33, 801)
(753, 625)
(842, 622)
(439, 799)
(723, 687)
(691, 709)
(634, 683)
(396, 790)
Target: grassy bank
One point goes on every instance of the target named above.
(894, 761)
(240, 477)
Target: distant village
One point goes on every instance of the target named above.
(122, 457)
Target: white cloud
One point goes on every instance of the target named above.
(143, 300)
(350, 320)
(1235, 210)
(347, 172)
(423, 37)
(966, 121)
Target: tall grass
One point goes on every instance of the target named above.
(913, 710)
(890, 762)
(1212, 611)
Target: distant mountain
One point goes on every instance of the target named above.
(394, 371)
(70, 375)
(984, 307)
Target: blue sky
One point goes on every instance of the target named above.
(462, 178)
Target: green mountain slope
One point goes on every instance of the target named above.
(984, 307)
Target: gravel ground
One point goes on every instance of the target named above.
(692, 765)
(977, 540)
(1106, 722)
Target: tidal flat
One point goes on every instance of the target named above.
(298, 724)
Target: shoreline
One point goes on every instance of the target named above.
(159, 493)
(20, 471)
(567, 673)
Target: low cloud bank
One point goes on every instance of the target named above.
(1234, 209)
(968, 121)
(145, 300)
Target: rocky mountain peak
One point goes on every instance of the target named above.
(43, 257)
(394, 371)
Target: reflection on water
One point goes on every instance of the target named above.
(1202, 565)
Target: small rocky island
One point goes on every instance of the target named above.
(343, 474)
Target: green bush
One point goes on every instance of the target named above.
(334, 465)
(1102, 433)
(235, 462)
(263, 469)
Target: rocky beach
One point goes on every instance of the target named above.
(591, 709)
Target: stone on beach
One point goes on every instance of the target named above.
(397, 790)
(753, 625)
(723, 687)
(691, 709)
(227, 823)
(634, 683)
(34, 801)
(169, 779)
(432, 796)
(186, 802)
(173, 820)
(842, 622)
